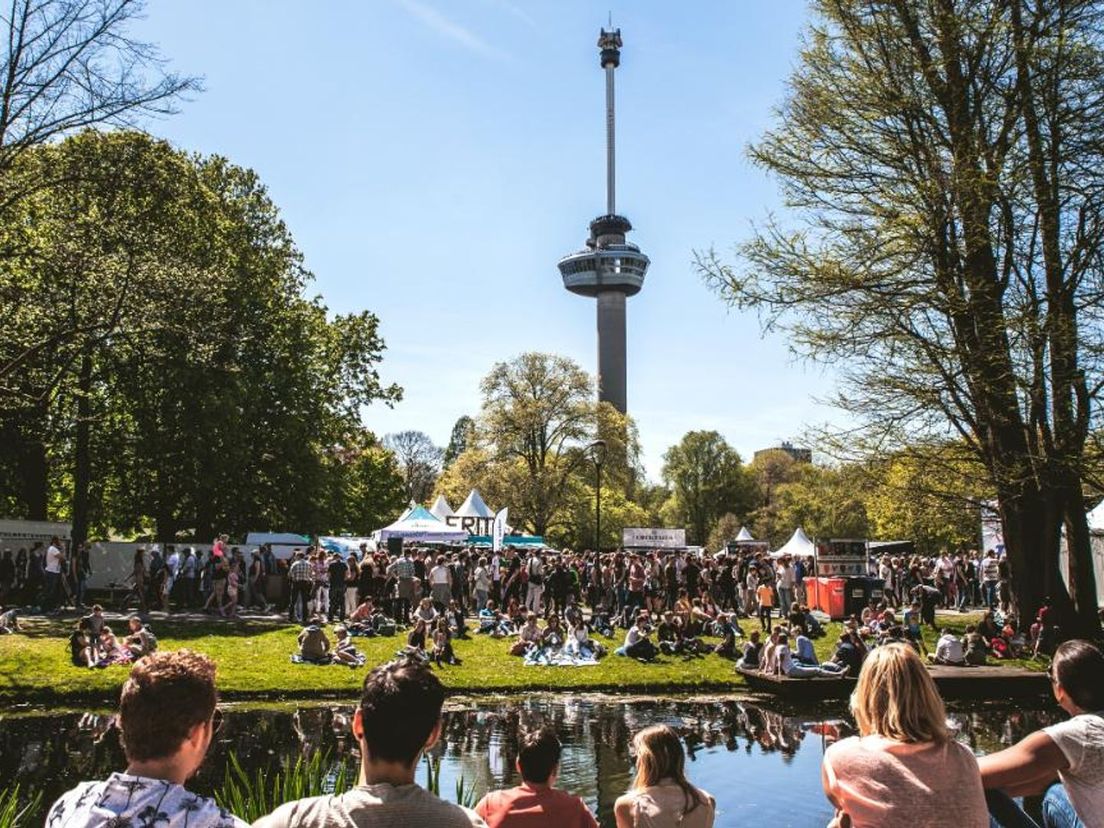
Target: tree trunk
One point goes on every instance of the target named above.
(33, 465)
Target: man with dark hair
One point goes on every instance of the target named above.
(167, 719)
(535, 803)
(1072, 751)
(399, 717)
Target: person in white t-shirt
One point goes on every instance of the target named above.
(949, 650)
(1072, 751)
(52, 567)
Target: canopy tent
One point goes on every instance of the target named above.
(475, 507)
(276, 539)
(440, 508)
(798, 544)
(744, 535)
(527, 541)
(410, 507)
(420, 526)
(345, 545)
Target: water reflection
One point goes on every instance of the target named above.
(758, 761)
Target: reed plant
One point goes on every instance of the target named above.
(250, 797)
(16, 811)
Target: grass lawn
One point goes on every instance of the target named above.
(253, 662)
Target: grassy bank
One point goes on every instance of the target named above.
(253, 662)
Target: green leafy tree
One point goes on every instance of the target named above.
(724, 530)
(942, 162)
(707, 479)
(462, 438)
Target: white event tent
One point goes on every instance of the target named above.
(440, 508)
(475, 507)
(744, 535)
(798, 544)
(419, 526)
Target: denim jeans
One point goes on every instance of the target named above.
(1057, 810)
(989, 593)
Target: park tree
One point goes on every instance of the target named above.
(772, 469)
(707, 479)
(724, 530)
(419, 461)
(931, 497)
(185, 396)
(825, 501)
(462, 438)
(942, 166)
(538, 415)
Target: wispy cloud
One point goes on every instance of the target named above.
(515, 10)
(450, 29)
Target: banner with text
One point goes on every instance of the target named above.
(653, 538)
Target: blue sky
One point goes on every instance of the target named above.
(435, 158)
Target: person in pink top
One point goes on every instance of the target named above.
(903, 770)
(535, 803)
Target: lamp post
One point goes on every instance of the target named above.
(597, 451)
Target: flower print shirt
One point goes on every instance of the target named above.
(126, 801)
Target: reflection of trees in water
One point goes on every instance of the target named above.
(481, 743)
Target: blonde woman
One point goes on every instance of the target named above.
(661, 796)
(904, 769)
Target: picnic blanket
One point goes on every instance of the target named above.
(298, 659)
(540, 657)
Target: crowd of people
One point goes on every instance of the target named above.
(904, 768)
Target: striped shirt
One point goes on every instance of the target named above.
(300, 570)
(402, 568)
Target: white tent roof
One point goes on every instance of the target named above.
(798, 544)
(440, 508)
(420, 525)
(744, 535)
(276, 539)
(475, 507)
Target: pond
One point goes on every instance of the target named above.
(761, 761)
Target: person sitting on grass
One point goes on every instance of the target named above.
(314, 647)
(456, 620)
(168, 717)
(638, 645)
(848, 656)
(669, 634)
(535, 803)
(729, 627)
(140, 641)
(1071, 751)
(948, 650)
(580, 644)
(344, 651)
(494, 623)
(416, 638)
(111, 651)
(362, 618)
(426, 612)
(9, 621)
(749, 659)
(976, 648)
(600, 621)
(529, 636)
(397, 720)
(1045, 634)
(82, 649)
(768, 656)
(904, 768)
(442, 644)
(554, 634)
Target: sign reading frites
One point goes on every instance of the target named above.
(653, 538)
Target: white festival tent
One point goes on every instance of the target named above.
(419, 526)
(798, 544)
(440, 508)
(475, 507)
(744, 535)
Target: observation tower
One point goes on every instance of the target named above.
(609, 268)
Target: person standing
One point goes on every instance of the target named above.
(402, 570)
(764, 595)
(300, 581)
(80, 567)
(536, 803)
(352, 584)
(534, 570)
(397, 720)
(661, 796)
(336, 572)
(53, 563)
(168, 716)
(482, 580)
(1072, 750)
(990, 577)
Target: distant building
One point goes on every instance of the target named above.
(800, 455)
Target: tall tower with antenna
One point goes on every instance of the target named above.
(609, 268)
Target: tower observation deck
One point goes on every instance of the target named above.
(609, 268)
